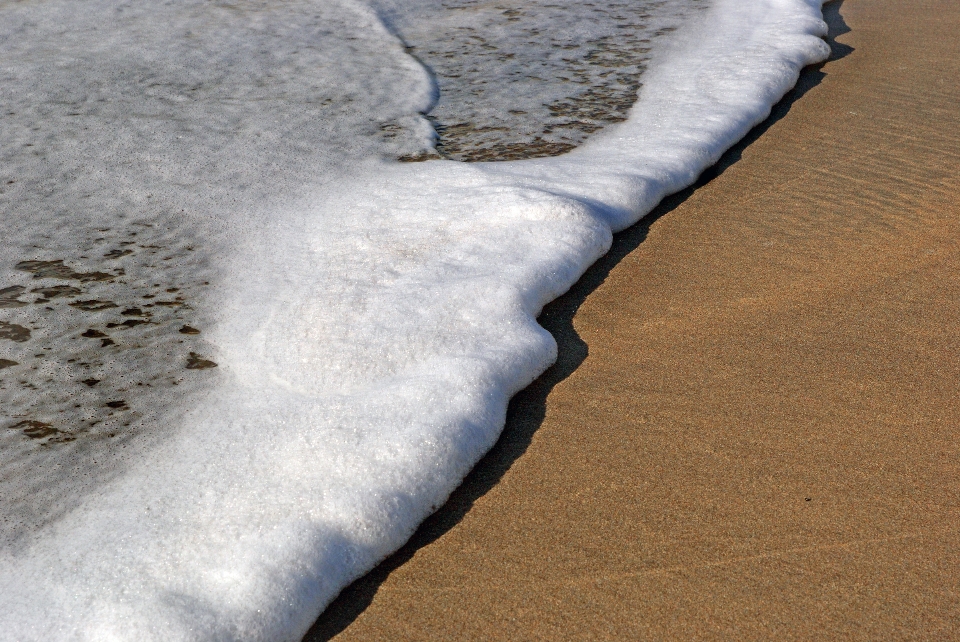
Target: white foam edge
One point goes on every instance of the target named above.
(704, 92)
(716, 80)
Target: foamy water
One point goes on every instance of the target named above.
(243, 350)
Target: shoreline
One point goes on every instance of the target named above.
(724, 448)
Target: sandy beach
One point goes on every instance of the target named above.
(752, 431)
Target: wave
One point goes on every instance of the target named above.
(369, 325)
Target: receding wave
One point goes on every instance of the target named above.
(204, 197)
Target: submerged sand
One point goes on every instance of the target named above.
(753, 429)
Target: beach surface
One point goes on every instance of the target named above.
(752, 430)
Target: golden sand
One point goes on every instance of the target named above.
(753, 429)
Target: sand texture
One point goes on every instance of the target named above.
(752, 432)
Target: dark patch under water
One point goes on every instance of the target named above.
(82, 352)
(533, 78)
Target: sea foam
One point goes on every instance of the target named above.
(369, 319)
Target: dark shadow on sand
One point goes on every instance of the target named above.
(528, 408)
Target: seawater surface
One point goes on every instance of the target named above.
(530, 78)
(244, 350)
(137, 140)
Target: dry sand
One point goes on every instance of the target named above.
(762, 442)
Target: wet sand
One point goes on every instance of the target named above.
(752, 432)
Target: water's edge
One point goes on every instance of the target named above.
(635, 195)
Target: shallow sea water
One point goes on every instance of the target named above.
(243, 350)
(122, 139)
(137, 137)
(531, 78)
